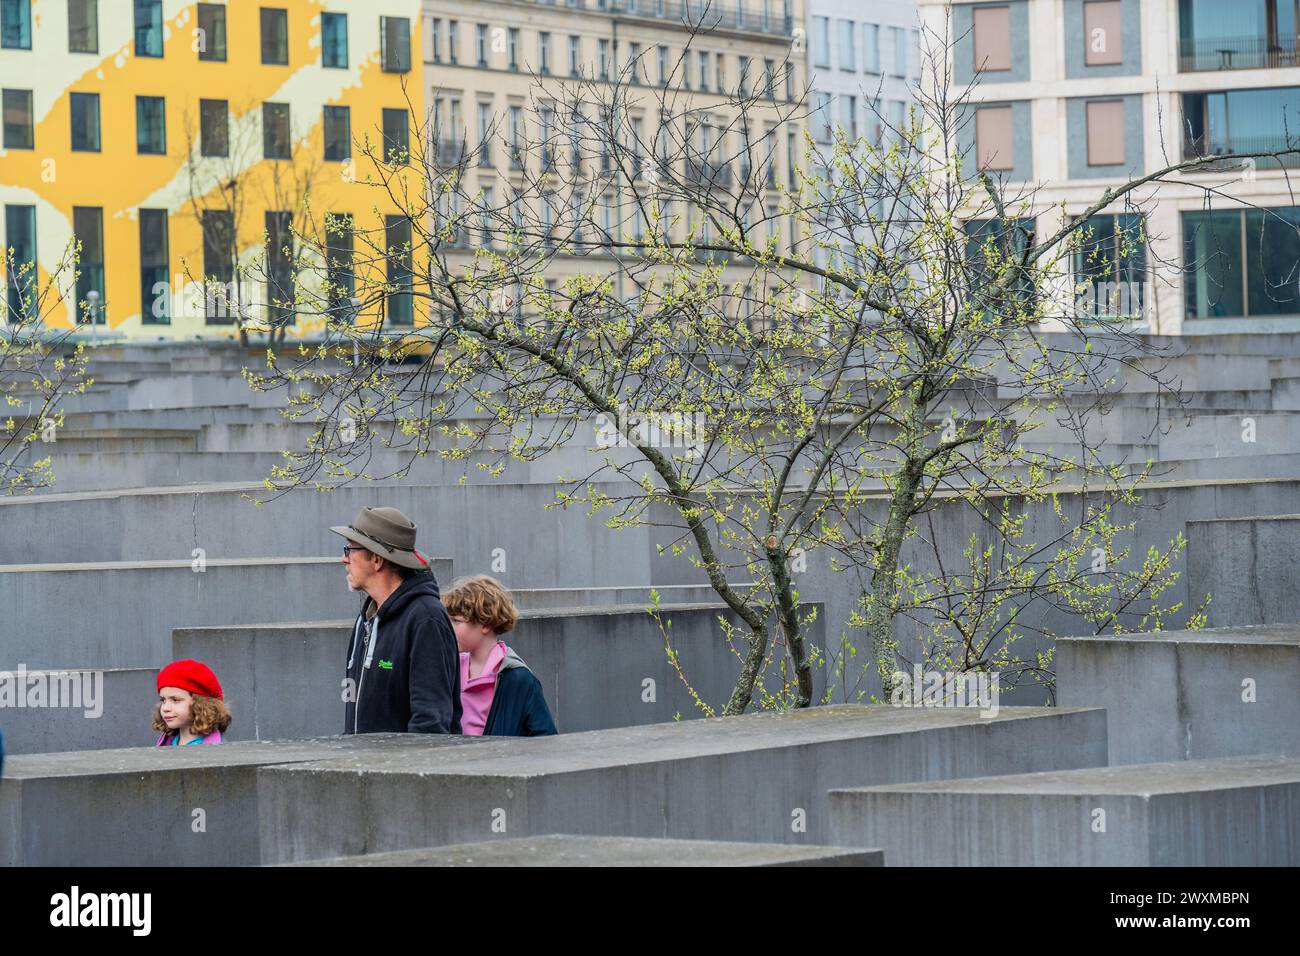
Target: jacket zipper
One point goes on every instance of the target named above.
(371, 642)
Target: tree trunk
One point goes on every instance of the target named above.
(743, 692)
(884, 579)
(789, 613)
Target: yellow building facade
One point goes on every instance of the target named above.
(185, 145)
(171, 139)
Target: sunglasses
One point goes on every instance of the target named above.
(349, 548)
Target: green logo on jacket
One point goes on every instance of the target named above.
(385, 665)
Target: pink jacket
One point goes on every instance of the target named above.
(163, 741)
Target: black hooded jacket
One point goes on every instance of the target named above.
(404, 665)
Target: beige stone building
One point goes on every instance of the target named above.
(497, 74)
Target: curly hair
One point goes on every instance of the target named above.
(206, 715)
(482, 600)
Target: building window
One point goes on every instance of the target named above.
(1110, 265)
(1242, 262)
(849, 115)
(338, 134)
(453, 41)
(435, 38)
(720, 82)
(19, 131)
(993, 138)
(512, 41)
(88, 230)
(150, 125)
(395, 44)
(821, 39)
(992, 44)
(148, 28)
(85, 121)
(279, 267)
(1241, 121)
(769, 79)
(20, 263)
(155, 283)
(848, 61)
(1102, 39)
(340, 271)
(516, 135)
(661, 56)
(634, 61)
(544, 53)
(742, 80)
(823, 121)
(275, 36)
(221, 298)
(1105, 119)
(602, 58)
(900, 51)
(212, 32)
(83, 26)
(484, 132)
(871, 47)
(15, 24)
(481, 44)
(276, 142)
(397, 145)
(334, 40)
(397, 239)
(214, 128)
(702, 59)
(993, 246)
(1251, 34)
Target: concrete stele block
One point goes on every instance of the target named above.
(567, 850)
(1180, 695)
(1234, 811)
(756, 778)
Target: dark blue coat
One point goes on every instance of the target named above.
(518, 704)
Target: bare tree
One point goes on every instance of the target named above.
(876, 357)
(39, 368)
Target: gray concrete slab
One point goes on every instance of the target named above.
(1234, 811)
(566, 850)
(757, 778)
(1187, 695)
(121, 614)
(78, 710)
(159, 806)
(599, 667)
(480, 526)
(1250, 565)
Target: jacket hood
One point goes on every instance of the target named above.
(417, 585)
(512, 660)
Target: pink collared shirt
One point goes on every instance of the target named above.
(476, 693)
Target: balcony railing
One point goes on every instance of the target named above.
(750, 17)
(1201, 146)
(1237, 53)
(448, 151)
(705, 173)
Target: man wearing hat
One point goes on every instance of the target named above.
(403, 668)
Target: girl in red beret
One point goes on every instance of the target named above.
(190, 708)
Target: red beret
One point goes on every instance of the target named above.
(193, 676)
